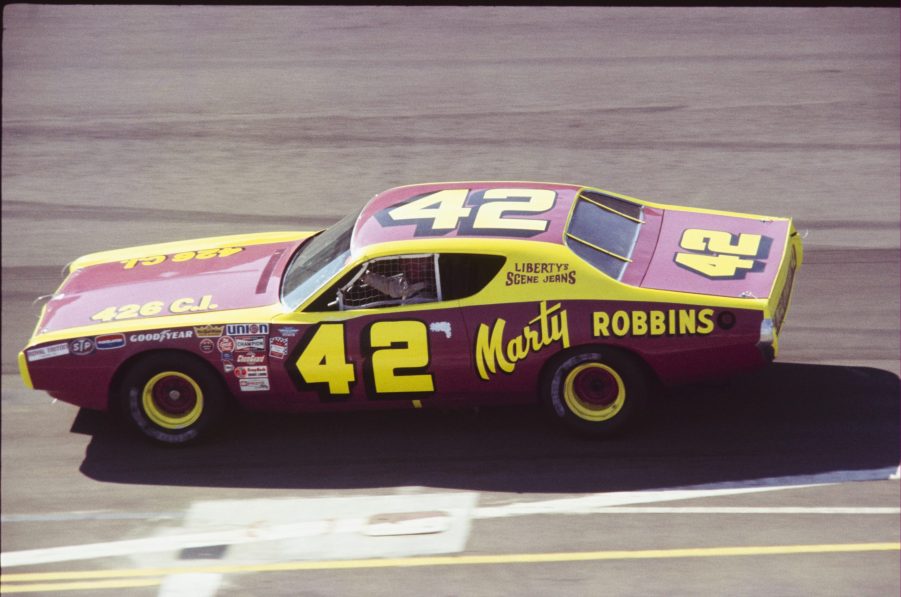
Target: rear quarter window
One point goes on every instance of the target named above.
(603, 230)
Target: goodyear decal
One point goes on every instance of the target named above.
(653, 322)
(161, 336)
(493, 352)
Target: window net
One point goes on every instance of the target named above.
(393, 281)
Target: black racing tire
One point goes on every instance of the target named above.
(598, 391)
(172, 398)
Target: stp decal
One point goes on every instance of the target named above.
(493, 352)
(81, 346)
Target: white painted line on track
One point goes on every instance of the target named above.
(197, 584)
(338, 530)
(590, 504)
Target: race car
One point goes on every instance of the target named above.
(431, 295)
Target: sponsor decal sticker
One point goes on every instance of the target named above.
(207, 345)
(47, 352)
(289, 332)
(225, 344)
(161, 336)
(208, 331)
(227, 356)
(255, 372)
(228, 366)
(492, 352)
(81, 346)
(250, 358)
(109, 341)
(540, 272)
(246, 329)
(250, 343)
(655, 322)
(278, 347)
(254, 385)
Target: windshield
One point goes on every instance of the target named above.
(317, 261)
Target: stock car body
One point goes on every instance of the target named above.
(432, 295)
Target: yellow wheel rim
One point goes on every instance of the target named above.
(594, 392)
(172, 400)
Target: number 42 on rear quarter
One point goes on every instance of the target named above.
(432, 295)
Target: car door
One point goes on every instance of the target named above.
(382, 335)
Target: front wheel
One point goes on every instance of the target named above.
(172, 398)
(598, 391)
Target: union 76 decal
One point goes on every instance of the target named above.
(722, 255)
(479, 213)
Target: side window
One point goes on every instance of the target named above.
(464, 275)
(390, 281)
(410, 279)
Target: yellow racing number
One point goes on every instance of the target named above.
(397, 358)
(400, 345)
(722, 255)
(324, 360)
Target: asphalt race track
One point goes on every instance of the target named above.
(132, 125)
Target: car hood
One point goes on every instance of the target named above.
(657, 267)
(180, 279)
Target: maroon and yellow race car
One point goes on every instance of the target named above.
(433, 295)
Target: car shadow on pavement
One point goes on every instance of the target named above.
(789, 420)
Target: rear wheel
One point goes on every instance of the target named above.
(598, 391)
(172, 398)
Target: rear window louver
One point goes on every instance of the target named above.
(602, 230)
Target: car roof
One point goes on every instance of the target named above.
(379, 222)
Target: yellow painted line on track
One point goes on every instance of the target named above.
(90, 585)
(153, 576)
